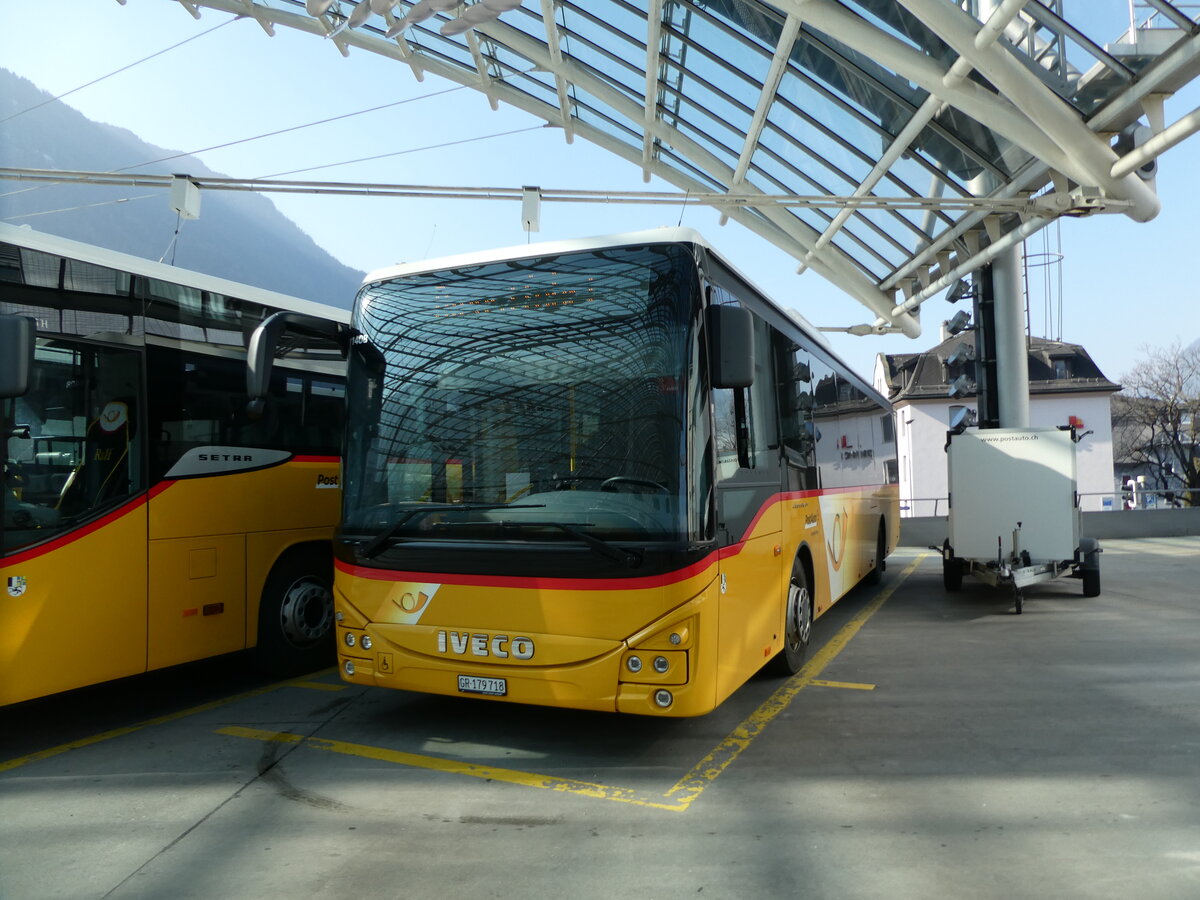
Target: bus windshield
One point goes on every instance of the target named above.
(532, 400)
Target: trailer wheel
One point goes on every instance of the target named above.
(797, 625)
(295, 616)
(952, 569)
(1089, 570)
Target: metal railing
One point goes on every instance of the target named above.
(1091, 501)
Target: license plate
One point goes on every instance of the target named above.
(473, 684)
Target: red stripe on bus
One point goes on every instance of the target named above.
(328, 460)
(71, 536)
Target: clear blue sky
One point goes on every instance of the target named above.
(1125, 286)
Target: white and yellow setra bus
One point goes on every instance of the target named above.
(603, 474)
(147, 520)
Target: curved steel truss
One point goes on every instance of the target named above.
(929, 117)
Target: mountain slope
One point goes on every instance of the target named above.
(240, 236)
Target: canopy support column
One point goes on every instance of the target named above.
(1012, 354)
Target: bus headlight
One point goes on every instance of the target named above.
(661, 665)
(634, 664)
(366, 642)
(350, 640)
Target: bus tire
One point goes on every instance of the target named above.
(295, 616)
(797, 625)
(875, 576)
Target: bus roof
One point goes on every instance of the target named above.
(22, 236)
(665, 235)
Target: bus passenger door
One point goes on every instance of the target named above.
(201, 507)
(749, 521)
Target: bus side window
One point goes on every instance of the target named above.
(795, 391)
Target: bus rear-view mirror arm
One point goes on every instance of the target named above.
(731, 346)
(260, 356)
(16, 355)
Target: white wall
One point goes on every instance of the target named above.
(921, 438)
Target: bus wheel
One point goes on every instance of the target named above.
(798, 620)
(295, 618)
(875, 576)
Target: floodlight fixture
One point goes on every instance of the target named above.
(958, 322)
(961, 386)
(962, 418)
(964, 354)
(961, 290)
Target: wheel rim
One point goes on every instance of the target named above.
(799, 615)
(306, 613)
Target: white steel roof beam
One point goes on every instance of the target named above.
(556, 59)
(766, 99)
(958, 73)
(650, 107)
(485, 78)
(1092, 158)
(989, 110)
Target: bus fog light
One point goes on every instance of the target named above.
(661, 665)
(350, 640)
(663, 698)
(634, 664)
(349, 669)
(366, 642)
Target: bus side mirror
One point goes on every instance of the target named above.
(260, 355)
(16, 355)
(731, 346)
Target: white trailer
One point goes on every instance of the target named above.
(1014, 511)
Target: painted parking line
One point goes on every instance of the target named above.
(679, 797)
(845, 685)
(160, 720)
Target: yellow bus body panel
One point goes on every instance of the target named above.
(106, 602)
(291, 494)
(81, 617)
(715, 624)
(213, 543)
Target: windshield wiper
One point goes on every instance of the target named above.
(619, 555)
(373, 546)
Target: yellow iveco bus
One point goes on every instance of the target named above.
(604, 474)
(148, 520)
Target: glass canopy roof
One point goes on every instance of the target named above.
(890, 145)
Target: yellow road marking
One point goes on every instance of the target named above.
(848, 685)
(315, 685)
(685, 791)
(440, 764)
(130, 729)
(708, 769)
